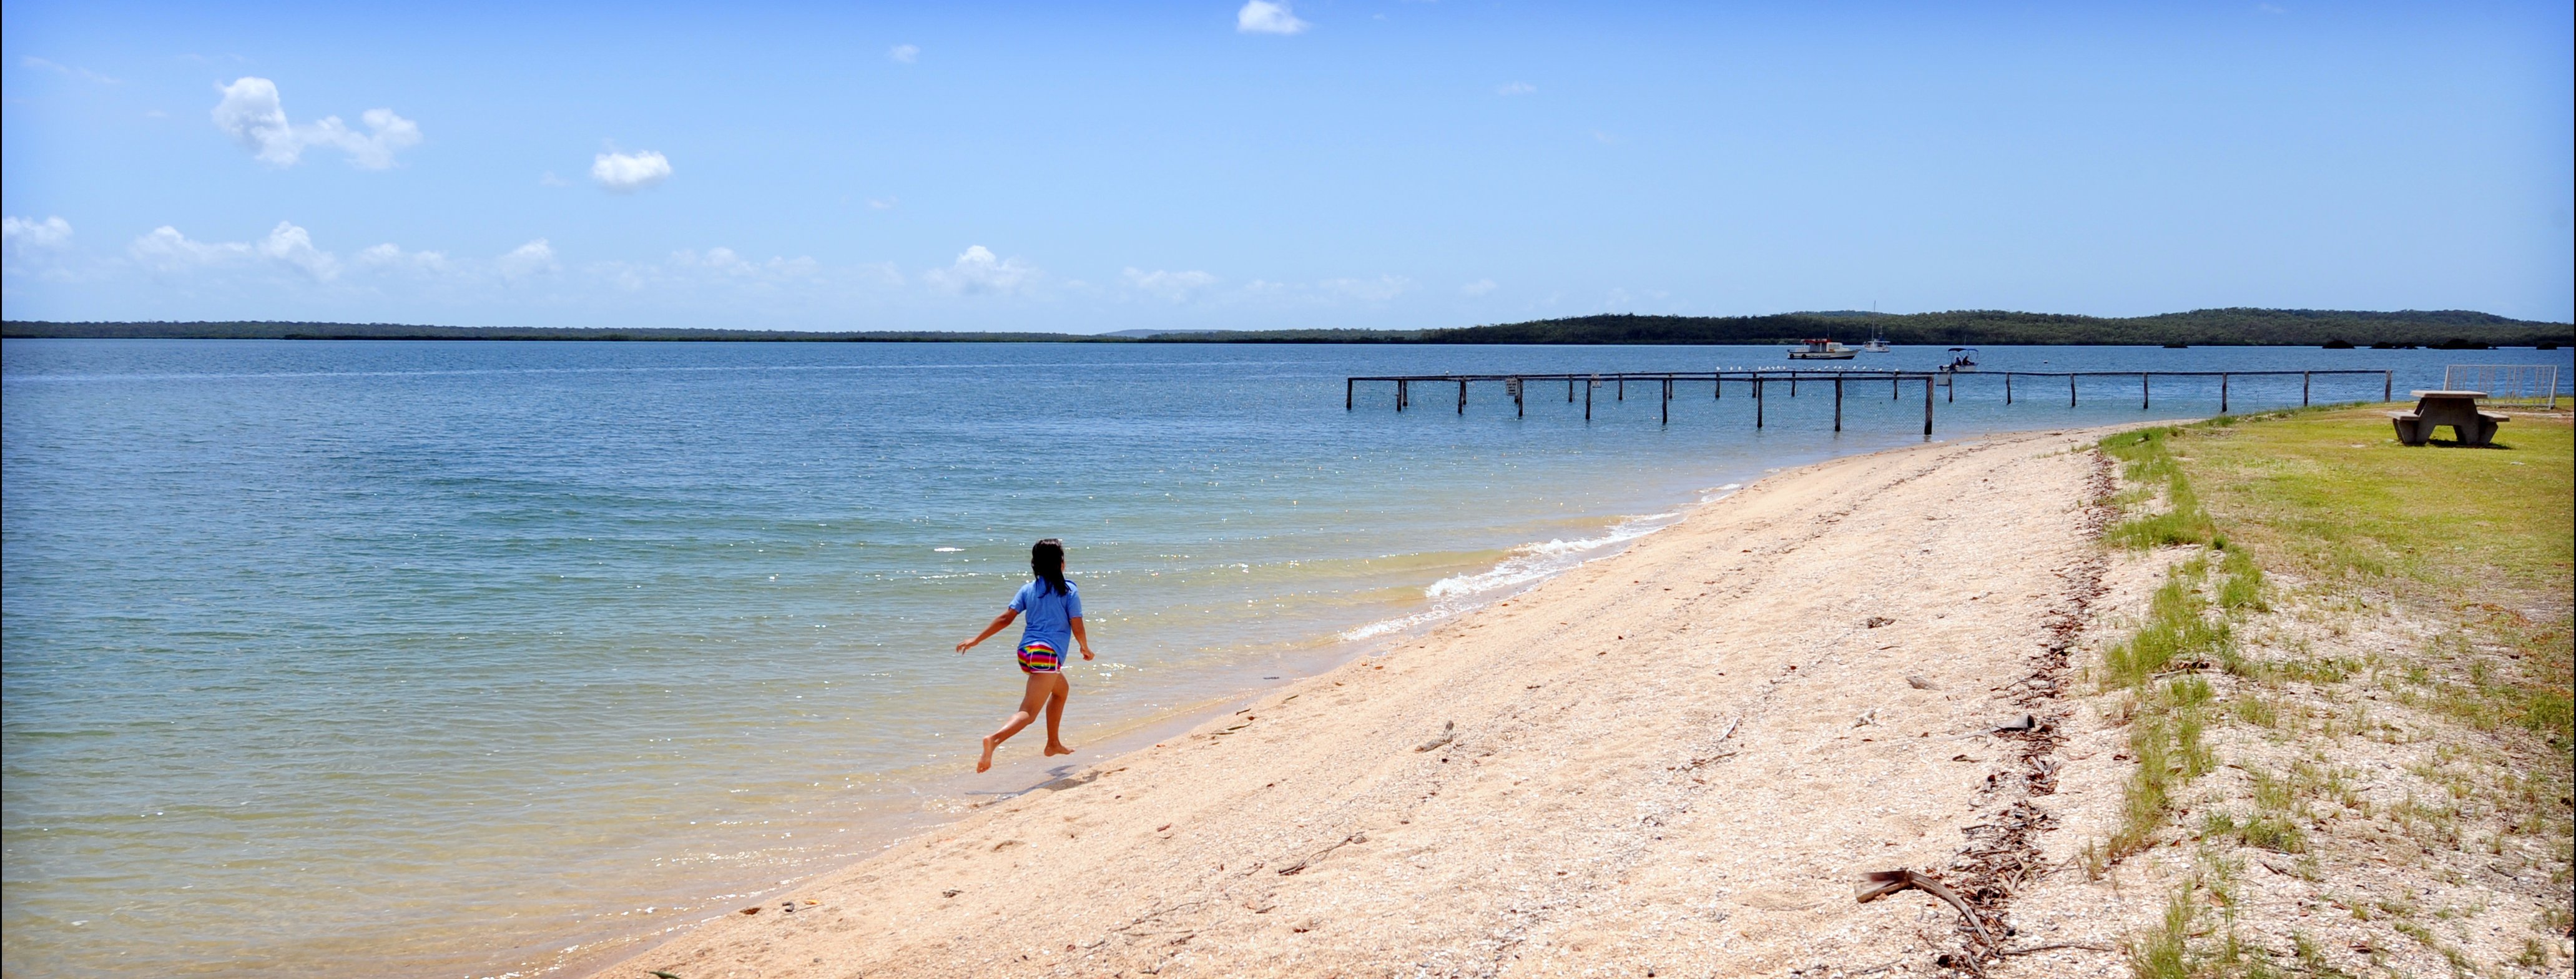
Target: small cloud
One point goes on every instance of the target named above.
(1265, 17)
(66, 71)
(391, 257)
(548, 179)
(253, 116)
(28, 236)
(1604, 139)
(533, 258)
(978, 271)
(1375, 290)
(2270, 9)
(1476, 288)
(883, 203)
(904, 54)
(1176, 287)
(293, 246)
(1515, 88)
(165, 249)
(626, 173)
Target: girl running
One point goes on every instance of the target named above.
(1054, 607)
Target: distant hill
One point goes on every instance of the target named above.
(2204, 327)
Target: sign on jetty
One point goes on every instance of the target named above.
(1517, 386)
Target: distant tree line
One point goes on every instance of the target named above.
(2204, 327)
(2210, 327)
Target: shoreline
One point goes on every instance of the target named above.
(882, 831)
(845, 899)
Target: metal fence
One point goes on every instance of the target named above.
(2531, 385)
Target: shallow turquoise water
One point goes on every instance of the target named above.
(437, 658)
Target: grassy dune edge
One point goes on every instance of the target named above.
(2338, 674)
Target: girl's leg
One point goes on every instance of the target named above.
(1055, 715)
(1040, 686)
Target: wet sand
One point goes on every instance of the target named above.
(1676, 762)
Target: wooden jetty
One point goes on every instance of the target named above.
(1755, 380)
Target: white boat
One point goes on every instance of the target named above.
(1965, 361)
(1877, 344)
(1822, 350)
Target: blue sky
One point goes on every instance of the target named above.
(1255, 165)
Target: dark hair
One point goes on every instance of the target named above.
(1046, 560)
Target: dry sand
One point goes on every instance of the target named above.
(1671, 762)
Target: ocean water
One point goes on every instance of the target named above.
(467, 659)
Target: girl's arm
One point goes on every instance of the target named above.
(1001, 622)
(1080, 638)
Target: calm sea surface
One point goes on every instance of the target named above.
(458, 659)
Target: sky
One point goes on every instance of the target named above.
(1276, 165)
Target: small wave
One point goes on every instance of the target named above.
(946, 550)
(1526, 566)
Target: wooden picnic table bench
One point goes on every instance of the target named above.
(2458, 409)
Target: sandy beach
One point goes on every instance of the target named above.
(1675, 761)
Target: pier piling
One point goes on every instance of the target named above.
(1759, 380)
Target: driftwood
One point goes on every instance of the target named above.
(1448, 733)
(1878, 884)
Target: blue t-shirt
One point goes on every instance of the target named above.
(1049, 615)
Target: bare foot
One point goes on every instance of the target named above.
(985, 764)
(1058, 748)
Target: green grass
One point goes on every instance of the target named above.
(2485, 538)
(2323, 512)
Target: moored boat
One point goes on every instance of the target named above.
(1821, 350)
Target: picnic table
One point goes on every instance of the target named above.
(2458, 409)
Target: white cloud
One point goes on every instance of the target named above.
(67, 71)
(626, 173)
(904, 54)
(1375, 290)
(391, 257)
(1265, 17)
(292, 245)
(1476, 288)
(166, 250)
(533, 258)
(251, 113)
(28, 236)
(1175, 287)
(883, 203)
(1515, 88)
(977, 271)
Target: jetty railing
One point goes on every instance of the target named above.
(1517, 386)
